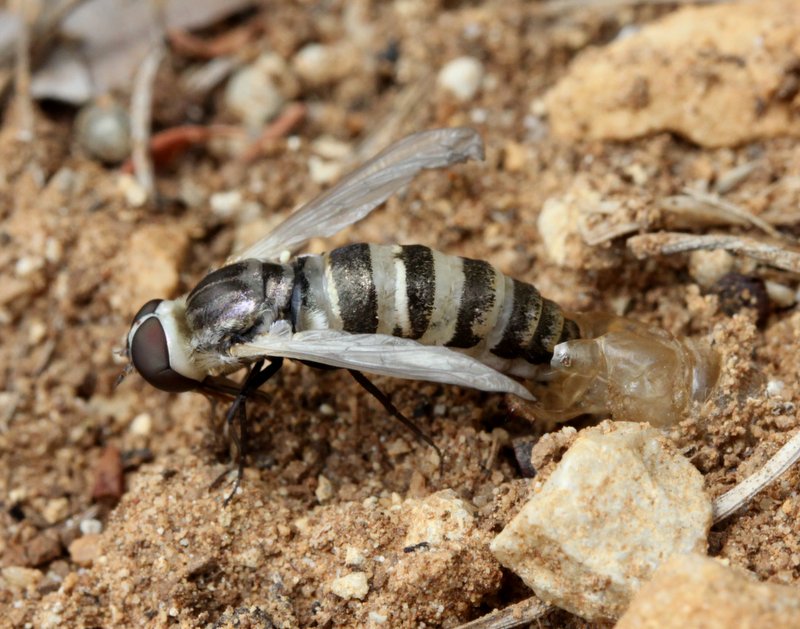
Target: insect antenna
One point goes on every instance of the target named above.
(128, 368)
(257, 376)
(392, 410)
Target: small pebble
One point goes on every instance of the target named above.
(109, 481)
(28, 265)
(323, 171)
(326, 409)
(437, 518)
(37, 331)
(43, 548)
(135, 195)
(84, 550)
(17, 576)
(324, 490)
(780, 295)
(53, 250)
(141, 425)
(56, 510)
(515, 157)
(319, 64)
(252, 94)
(353, 585)
(103, 129)
(397, 447)
(707, 267)
(90, 526)
(225, 204)
(461, 77)
(252, 558)
(353, 556)
(775, 388)
(330, 148)
(378, 618)
(558, 225)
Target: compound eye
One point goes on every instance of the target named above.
(148, 308)
(150, 355)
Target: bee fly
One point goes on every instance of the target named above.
(405, 311)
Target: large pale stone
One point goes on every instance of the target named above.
(720, 76)
(696, 591)
(620, 502)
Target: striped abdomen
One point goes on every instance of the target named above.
(418, 293)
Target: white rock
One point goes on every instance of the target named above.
(353, 585)
(620, 502)
(781, 295)
(378, 618)
(353, 556)
(440, 517)
(697, 591)
(225, 204)
(706, 267)
(322, 171)
(558, 224)
(134, 194)
(55, 510)
(318, 64)
(90, 526)
(253, 95)
(461, 77)
(775, 388)
(103, 130)
(324, 490)
(28, 265)
(20, 577)
(141, 425)
(313, 63)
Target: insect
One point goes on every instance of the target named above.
(403, 311)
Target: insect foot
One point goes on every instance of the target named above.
(626, 369)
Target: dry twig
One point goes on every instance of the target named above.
(554, 7)
(516, 615)
(724, 211)
(667, 243)
(291, 116)
(745, 491)
(141, 110)
(22, 72)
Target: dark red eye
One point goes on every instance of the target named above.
(150, 355)
(148, 308)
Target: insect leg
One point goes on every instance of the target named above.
(256, 378)
(392, 410)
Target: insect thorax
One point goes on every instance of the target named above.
(238, 301)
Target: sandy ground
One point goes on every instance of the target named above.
(333, 485)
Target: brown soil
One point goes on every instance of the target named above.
(333, 485)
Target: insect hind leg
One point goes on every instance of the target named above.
(392, 410)
(257, 376)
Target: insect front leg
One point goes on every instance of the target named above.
(258, 375)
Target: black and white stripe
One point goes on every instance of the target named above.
(418, 293)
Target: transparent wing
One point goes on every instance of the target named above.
(380, 354)
(362, 191)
